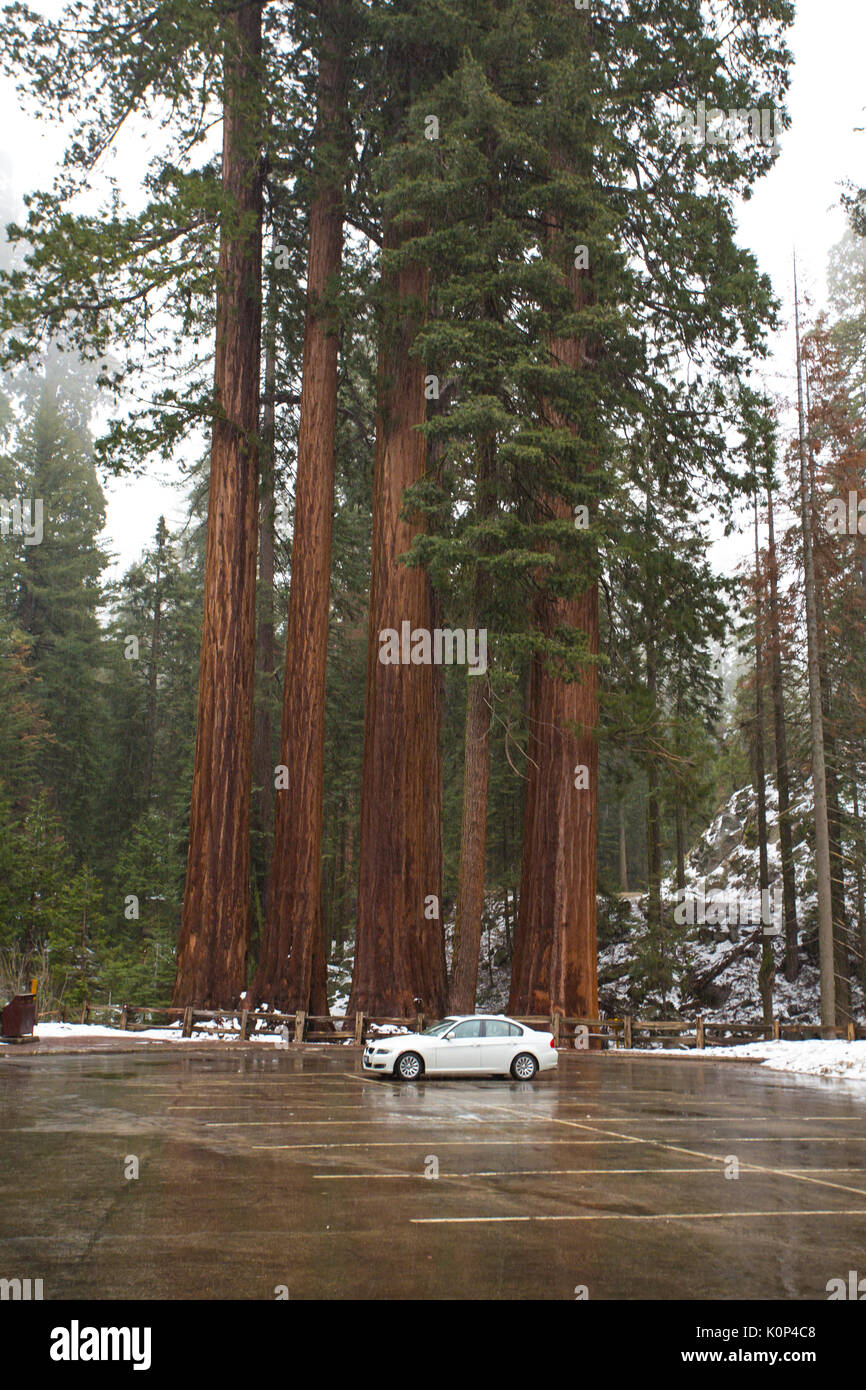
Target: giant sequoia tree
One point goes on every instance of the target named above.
(399, 945)
(294, 938)
(399, 950)
(214, 935)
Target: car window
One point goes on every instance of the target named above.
(470, 1029)
(437, 1029)
(497, 1028)
(514, 1031)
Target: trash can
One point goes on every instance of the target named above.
(19, 1016)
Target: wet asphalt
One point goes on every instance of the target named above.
(265, 1173)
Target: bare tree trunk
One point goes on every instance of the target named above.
(816, 719)
(399, 944)
(653, 809)
(215, 924)
(294, 927)
(861, 893)
(767, 970)
(623, 851)
(347, 900)
(834, 822)
(153, 666)
(680, 836)
(786, 847)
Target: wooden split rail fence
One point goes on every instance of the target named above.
(625, 1032)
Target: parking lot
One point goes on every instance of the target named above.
(262, 1171)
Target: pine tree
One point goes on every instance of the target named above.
(53, 595)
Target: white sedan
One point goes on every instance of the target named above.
(463, 1044)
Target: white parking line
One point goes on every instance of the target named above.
(624, 1216)
(547, 1173)
(722, 1158)
(710, 1119)
(510, 1173)
(375, 1123)
(442, 1143)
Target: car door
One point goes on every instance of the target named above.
(460, 1050)
(497, 1045)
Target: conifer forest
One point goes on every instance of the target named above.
(508, 597)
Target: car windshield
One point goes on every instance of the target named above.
(437, 1029)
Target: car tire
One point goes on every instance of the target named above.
(408, 1067)
(524, 1067)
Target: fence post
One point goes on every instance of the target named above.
(777, 1030)
(85, 1010)
(850, 1032)
(555, 1021)
(626, 1030)
(244, 1018)
(123, 1018)
(419, 1023)
(186, 1031)
(359, 1029)
(300, 1020)
(699, 1031)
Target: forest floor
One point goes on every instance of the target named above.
(236, 1171)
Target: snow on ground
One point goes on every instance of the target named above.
(814, 1057)
(97, 1030)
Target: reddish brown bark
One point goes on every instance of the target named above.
(399, 952)
(555, 955)
(214, 934)
(473, 849)
(263, 738)
(294, 958)
(476, 778)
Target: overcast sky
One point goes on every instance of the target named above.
(796, 205)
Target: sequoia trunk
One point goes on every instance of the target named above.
(294, 934)
(473, 849)
(214, 933)
(399, 946)
(555, 955)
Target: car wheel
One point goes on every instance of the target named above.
(408, 1067)
(524, 1067)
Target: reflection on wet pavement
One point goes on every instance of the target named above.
(633, 1177)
